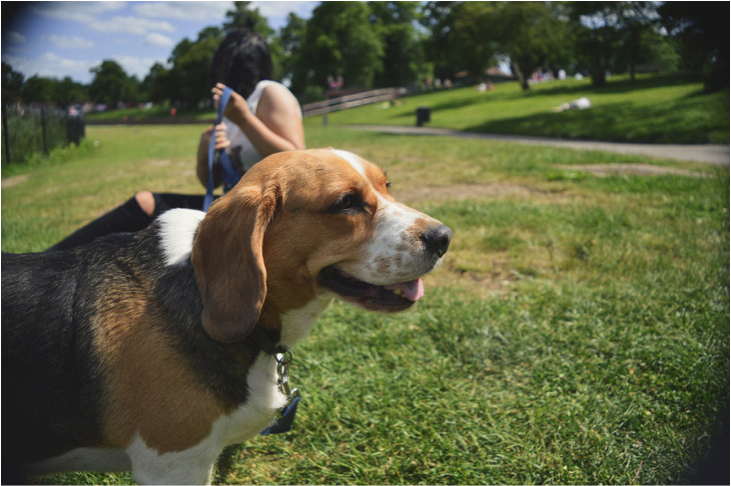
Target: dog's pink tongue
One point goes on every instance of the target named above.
(413, 290)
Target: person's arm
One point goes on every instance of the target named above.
(202, 166)
(277, 125)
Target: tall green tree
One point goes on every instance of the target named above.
(403, 53)
(444, 45)
(69, 91)
(610, 34)
(293, 65)
(12, 83)
(111, 84)
(532, 35)
(190, 61)
(340, 39)
(701, 31)
(157, 85)
(245, 15)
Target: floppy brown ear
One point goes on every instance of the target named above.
(229, 264)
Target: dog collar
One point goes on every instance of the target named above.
(266, 343)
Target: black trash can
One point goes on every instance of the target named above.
(423, 115)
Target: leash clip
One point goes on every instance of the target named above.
(283, 361)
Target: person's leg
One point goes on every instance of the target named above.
(133, 215)
(165, 201)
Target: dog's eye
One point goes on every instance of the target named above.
(346, 202)
(388, 184)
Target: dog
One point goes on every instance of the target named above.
(153, 351)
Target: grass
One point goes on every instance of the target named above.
(577, 332)
(655, 109)
(154, 112)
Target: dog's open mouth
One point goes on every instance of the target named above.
(385, 298)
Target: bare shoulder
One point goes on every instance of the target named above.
(278, 97)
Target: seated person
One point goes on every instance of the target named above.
(261, 118)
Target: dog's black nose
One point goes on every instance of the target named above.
(437, 239)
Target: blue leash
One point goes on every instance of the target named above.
(230, 175)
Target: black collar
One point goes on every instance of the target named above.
(268, 341)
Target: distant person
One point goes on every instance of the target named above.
(580, 104)
(262, 117)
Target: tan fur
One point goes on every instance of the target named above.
(149, 387)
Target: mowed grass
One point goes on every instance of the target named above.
(577, 332)
(668, 108)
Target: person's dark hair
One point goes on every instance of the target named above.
(241, 61)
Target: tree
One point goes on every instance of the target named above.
(403, 54)
(69, 91)
(532, 35)
(190, 61)
(293, 65)
(475, 34)
(610, 35)
(12, 83)
(38, 89)
(111, 84)
(243, 16)
(339, 39)
(441, 47)
(598, 36)
(701, 29)
(157, 85)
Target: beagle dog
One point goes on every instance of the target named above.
(153, 351)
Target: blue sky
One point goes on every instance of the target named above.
(58, 39)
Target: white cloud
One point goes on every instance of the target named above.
(183, 10)
(84, 12)
(137, 66)
(14, 37)
(131, 25)
(155, 39)
(88, 13)
(281, 9)
(74, 42)
(49, 65)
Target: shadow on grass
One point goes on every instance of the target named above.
(619, 122)
(571, 90)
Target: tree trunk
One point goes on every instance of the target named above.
(519, 76)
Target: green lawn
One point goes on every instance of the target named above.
(656, 109)
(154, 112)
(577, 332)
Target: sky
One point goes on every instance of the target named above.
(59, 39)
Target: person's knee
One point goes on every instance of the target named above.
(146, 201)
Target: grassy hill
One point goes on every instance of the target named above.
(655, 109)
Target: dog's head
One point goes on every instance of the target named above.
(309, 224)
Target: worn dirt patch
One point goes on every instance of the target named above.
(604, 170)
(14, 180)
(460, 192)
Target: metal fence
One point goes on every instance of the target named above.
(28, 130)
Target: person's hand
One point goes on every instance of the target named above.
(222, 141)
(237, 110)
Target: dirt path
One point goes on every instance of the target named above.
(710, 154)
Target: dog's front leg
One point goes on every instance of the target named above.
(190, 466)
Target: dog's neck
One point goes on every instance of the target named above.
(297, 324)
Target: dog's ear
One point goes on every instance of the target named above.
(229, 263)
